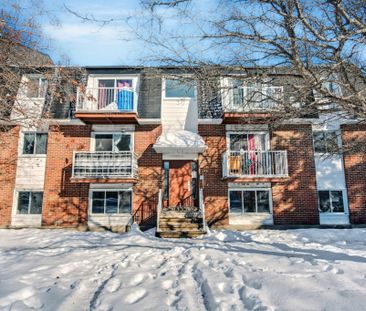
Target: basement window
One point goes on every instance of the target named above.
(35, 143)
(111, 202)
(250, 201)
(30, 203)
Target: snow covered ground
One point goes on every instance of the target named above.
(309, 269)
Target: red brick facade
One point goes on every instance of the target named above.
(149, 167)
(8, 164)
(294, 198)
(355, 171)
(65, 203)
(215, 188)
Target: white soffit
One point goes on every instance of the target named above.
(180, 142)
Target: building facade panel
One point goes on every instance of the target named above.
(65, 202)
(355, 171)
(295, 198)
(8, 168)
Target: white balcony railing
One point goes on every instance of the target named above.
(266, 163)
(107, 99)
(104, 164)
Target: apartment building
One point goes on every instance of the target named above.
(158, 147)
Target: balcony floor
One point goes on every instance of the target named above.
(107, 117)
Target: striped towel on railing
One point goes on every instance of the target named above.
(125, 100)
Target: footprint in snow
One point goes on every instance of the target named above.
(113, 285)
(33, 302)
(167, 284)
(137, 279)
(136, 296)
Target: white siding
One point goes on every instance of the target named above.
(250, 220)
(108, 220)
(30, 173)
(26, 220)
(179, 114)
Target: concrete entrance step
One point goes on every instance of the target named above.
(179, 226)
(180, 234)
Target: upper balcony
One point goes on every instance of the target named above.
(250, 100)
(104, 165)
(108, 104)
(258, 163)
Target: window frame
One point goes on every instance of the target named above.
(104, 214)
(40, 78)
(242, 190)
(93, 140)
(16, 202)
(229, 133)
(339, 141)
(178, 98)
(345, 205)
(260, 90)
(134, 80)
(21, 149)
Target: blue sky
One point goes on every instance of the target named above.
(89, 43)
(86, 43)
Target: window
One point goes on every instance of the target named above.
(175, 88)
(111, 202)
(36, 87)
(29, 202)
(326, 141)
(255, 96)
(248, 141)
(249, 201)
(113, 142)
(331, 201)
(118, 91)
(35, 143)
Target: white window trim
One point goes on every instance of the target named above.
(21, 145)
(267, 138)
(339, 140)
(96, 77)
(227, 86)
(25, 80)
(15, 202)
(178, 98)
(90, 212)
(132, 134)
(252, 189)
(344, 198)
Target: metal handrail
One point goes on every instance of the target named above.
(160, 206)
(202, 209)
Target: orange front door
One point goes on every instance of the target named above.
(180, 183)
